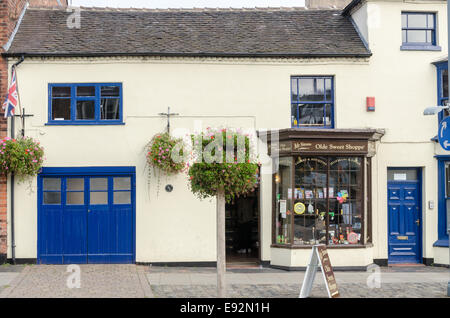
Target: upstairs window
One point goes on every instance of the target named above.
(442, 73)
(312, 101)
(418, 29)
(80, 104)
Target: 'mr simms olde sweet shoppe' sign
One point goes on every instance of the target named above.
(321, 146)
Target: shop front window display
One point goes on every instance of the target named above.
(283, 201)
(327, 200)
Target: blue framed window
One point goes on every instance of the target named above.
(419, 30)
(442, 85)
(312, 101)
(85, 103)
(443, 200)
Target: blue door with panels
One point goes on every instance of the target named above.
(404, 216)
(86, 215)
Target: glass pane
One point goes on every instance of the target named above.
(51, 184)
(429, 37)
(311, 89)
(328, 89)
(122, 197)
(86, 109)
(110, 91)
(402, 175)
(61, 91)
(417, 36)
(431, 21)
(328, 115)
(61, 109)
(52, 197)
(75, 184)
(445, 83)
(404, 20)
(311, 114)
(122, 183)
(417, 20)
(448, 215)
(99, 198)
(75, 198)
(99, 183)
(110, 108)
(85, 90)
(283, 201)
(294, 115)
(404, 39)
(294, 92)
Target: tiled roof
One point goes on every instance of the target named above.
(275, 32)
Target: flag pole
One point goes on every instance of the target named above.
(13, 240)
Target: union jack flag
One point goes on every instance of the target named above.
(10, 103)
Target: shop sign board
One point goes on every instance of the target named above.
(444, 133)
(323, 146)
(319, 258)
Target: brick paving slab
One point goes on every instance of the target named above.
(7, 268)
(349, 290)
(97, 281)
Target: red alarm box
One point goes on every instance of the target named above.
(370, 102)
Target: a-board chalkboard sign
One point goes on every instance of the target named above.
(319, 258)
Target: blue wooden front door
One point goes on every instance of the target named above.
(404, 221)
(86, 219)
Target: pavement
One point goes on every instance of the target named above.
(138, 281)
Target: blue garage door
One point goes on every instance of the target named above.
(86, 215)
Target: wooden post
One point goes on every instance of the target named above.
(221, 262)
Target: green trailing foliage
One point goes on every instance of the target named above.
(237, 174)
(23, 157)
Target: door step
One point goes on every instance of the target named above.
(407, 265)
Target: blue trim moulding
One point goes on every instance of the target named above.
(92, 171)
(420, 48)
(441, 243)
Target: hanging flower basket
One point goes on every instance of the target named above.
(162, 151)
(237, 175)
(23, 157)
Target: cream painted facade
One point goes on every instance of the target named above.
(247, 93)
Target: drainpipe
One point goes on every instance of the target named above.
(13, 241)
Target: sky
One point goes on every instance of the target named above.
(164, 4)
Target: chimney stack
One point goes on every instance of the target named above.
(326, 4)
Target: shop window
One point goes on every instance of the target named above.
(79, 104)
(283, 201)
(442, 72)
(312, 102)
(418, 30)
(325, 197)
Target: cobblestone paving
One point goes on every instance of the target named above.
(97, 281)
(350, 290)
